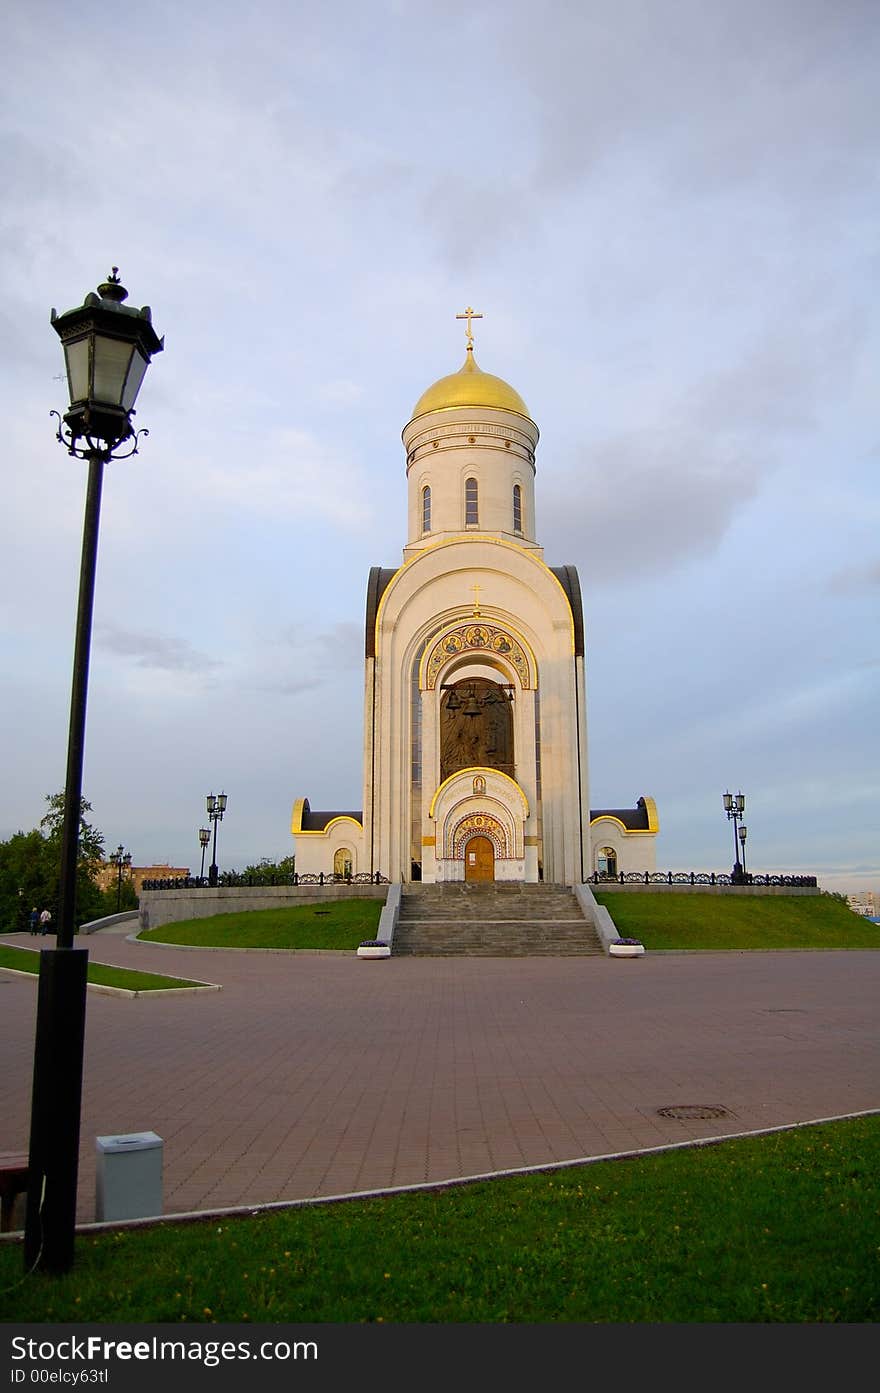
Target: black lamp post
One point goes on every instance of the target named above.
(121, 859)
(107, 349)
(204, 839)
(216, 809)
(735, 806)
(742, 842)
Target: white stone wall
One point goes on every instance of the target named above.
(446, 448)
(636, 851)
(315, 851)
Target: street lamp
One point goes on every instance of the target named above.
(107, 349)
(121, 859)
(735, 806)
(216, 809)
(204, 839)
(742, 841)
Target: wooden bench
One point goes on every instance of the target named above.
(13, 1182)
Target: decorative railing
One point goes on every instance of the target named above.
(794, 882)
(236, 880)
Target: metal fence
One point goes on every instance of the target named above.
(795, 882)
(233, 879)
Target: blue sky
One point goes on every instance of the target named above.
(667, 213)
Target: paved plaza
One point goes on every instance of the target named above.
(324, 1074)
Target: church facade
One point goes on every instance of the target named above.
(475, 717)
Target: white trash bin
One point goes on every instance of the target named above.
(128, 1176)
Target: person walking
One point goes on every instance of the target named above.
(45, 921)
(34, 919)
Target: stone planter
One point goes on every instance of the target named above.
(626, 950)
(374, 950)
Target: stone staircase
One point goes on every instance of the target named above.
(501, 920)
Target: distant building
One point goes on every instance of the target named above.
(107, 876)
(865, 903)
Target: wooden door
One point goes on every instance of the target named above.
(479, 859)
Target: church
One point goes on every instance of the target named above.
(475, 714)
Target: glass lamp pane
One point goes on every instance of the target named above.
(77, 359)
(112, 358)
(137, 368)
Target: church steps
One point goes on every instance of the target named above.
(493, 921)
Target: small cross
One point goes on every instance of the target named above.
(469, 314)
(476, 589)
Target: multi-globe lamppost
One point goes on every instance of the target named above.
(121, 859)
(216, 808)
(107, 350)
(735, 806)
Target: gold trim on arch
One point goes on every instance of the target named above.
(297, 829)
(485, 771)
(628, 831)
(455, 540)
(518, 653)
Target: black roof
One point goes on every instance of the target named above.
(316, 822)
(633, 819)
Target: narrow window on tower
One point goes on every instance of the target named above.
(471, 508)
(426, 509)
(517, 508)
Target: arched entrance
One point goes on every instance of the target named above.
(479, 860)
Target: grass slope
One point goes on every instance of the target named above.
(778, 1228)
(27, 960)
(336, 924)
(670, 920)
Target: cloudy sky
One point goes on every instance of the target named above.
(667, 211)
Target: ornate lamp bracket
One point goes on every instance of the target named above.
(93, 448)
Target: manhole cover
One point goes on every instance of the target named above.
(690, 1112)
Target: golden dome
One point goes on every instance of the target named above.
(470, 386)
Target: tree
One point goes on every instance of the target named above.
(31, 862)
(27, 879)
(272, 872)
(90, 848)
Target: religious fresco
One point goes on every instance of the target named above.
(476, 728)
(478, 637)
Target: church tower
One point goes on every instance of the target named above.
(475, 736)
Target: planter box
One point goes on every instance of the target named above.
(370, 950)
(626, 950)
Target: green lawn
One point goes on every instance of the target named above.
(336, 924)
(28, 960)
(778, 1228)
(671, 920)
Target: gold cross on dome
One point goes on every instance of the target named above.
(476, 589)
(469, 314)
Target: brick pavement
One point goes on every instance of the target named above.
(325, 1074)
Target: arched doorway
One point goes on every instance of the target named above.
(479, 860)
